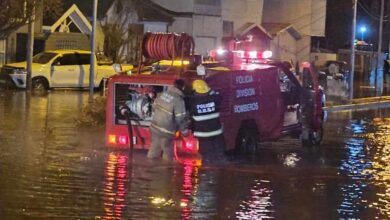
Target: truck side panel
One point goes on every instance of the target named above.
(272, 108)
(249, 95)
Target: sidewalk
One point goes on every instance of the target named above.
(362, 103)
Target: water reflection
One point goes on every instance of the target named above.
(378, 144)
(50, 169)
(259, 204)
(189, 188)
(115, 185)
(367, 165)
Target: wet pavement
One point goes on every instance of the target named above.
(51, 169)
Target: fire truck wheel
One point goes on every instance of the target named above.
(247, 140)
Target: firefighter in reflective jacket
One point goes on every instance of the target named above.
(169, 116)
(204, 109)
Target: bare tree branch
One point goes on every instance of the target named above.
(15, 13)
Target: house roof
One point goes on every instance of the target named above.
(247, 27)
(86, 6)
(276, 28)
(150, 11)
(77, 18)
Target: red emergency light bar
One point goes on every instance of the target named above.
(242, 54)
(253, 54)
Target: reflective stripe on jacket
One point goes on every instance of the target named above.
(169, 112)
(205, 114)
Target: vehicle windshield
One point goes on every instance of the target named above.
(43, 58)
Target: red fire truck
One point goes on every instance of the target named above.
(262, 100)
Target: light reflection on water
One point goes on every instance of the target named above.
(115, 186)
(50, 169)
(378, 144)
(259, 205)
(367, 165)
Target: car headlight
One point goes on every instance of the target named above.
(20, 71)
(117, 67)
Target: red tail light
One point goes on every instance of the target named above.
(118, 139)
(123, 140)
(187, 145)
(190, 144)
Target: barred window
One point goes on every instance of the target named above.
(66, 44)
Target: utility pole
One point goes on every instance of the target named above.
(380, 48)
(93, 43)
(352, 73)
(30, 47)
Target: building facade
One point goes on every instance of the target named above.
(209, 21)
(307, 17)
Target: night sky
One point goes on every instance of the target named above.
(339, 24)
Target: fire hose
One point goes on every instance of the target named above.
(126, 112)
(166, 46)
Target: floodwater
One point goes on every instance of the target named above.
(50, 169)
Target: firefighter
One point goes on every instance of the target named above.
(169, 116)
(204, 109)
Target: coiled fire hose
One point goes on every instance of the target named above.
(166, 46)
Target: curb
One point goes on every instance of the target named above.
(364, 105)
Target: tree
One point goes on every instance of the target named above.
(15, 13)
(121, 40)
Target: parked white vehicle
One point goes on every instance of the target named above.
(59, 69)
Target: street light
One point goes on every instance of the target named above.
(363, 29)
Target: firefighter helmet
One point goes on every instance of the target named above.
(200, 86)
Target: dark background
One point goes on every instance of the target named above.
(339, 24)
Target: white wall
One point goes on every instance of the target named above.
(320, 58)
(207, 27)
(206, 31)
(304, 48)
(182, 25)
(243, 11)
(307, 16)
(177, 5)
(155, 27)
(284, 47)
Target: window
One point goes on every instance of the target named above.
(66, 44)
(43, 58)
(228, 28)
(67, 60)
(83, 59)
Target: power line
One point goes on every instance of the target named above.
(368, 12)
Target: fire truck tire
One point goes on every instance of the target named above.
(39, 83)
(247, 139)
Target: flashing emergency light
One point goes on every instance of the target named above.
(221, 51)
(253, 54)
(267, 54)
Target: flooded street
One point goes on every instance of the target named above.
(51, 169)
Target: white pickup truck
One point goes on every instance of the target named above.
(59, 69)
